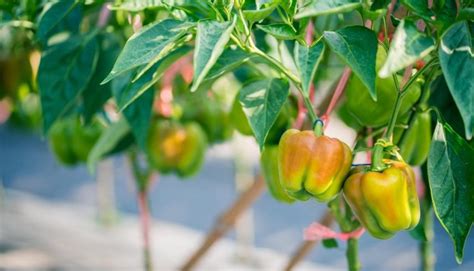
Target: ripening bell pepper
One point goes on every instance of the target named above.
(312, 165)
(414, 143)
(173, 147)
(269, 166)
(384, 202)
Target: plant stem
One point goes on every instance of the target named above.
(426, 247)
(145, 224)
(142, 180)
(352, 255)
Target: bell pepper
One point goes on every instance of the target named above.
(384, 202)
(269, 166)
(312, 165)
(71, 141)
(359, 109)
(414, 143)
(173, 147)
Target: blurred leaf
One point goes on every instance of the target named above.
(330, 243)
(64, 72)
(357, 46)
(95, 94)
(148, 46)
(280, 31)
(211, 39)
(408, 45)
(138, 113)
(262, 102)
(323, 7)
(451, 178)
(53, 13)
(307, 60)
(108, 140)
(456, 56)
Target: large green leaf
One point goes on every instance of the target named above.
(307, 60)
(95, 94)
(211, 39)
(323, 7)
(148, 46)
(108, 140)
(64, 72)
(357, 46)
(456, 56)
(408, 45)
(280, 31)
(53, 13)
(138, 113)
(262, 101)
(451, 177)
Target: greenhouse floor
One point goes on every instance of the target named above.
(40, 235)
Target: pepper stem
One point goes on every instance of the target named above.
(352, 255)
(318, 127)
(377, 157)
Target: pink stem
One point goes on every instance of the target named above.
(341, 85)
(145, 224)
(103, 16)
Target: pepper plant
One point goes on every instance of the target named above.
(400, 73)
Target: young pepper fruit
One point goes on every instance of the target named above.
(269, 166)
(384, 202)
(415, 143)
(312, 165)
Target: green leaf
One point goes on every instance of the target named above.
(324, 7)
(307, 60)
(211, 39)
(357, 46)
(330, 243)
(148, 46)
(456, 56)
(257, 15)
(408, 45)
(152, 75)
(451, 178)
(53, 13)
(136, 6)
(95, 94)
(379, 4)
(289, 6)
(280, 31)
(138, 113)
(108, 140)
(64, 72)
(227, 62)
(262, 101)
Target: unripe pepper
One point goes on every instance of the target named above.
(269, 166)
(415, 143)
(177, 148)
(384, 202)
(312, 165)
(359, 109)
